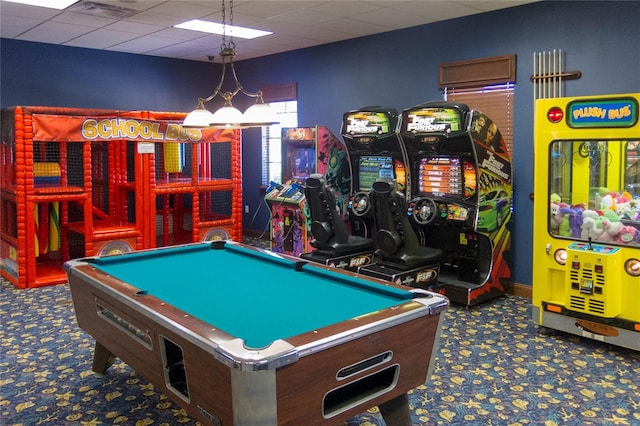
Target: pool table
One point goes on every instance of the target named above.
(239, 335)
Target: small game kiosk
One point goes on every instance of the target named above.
(460, 196)
(305, 151)
(586, 231)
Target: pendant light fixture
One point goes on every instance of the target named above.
(257, 115)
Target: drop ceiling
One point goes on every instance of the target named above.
(146, 26)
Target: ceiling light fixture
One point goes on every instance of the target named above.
(257, 115)
(217, 28)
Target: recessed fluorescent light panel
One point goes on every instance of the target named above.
(52, 4)
(216, 28)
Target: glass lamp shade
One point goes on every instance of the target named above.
(227, 116)
(199, 117)
(259, 114)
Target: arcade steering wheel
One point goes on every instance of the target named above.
(424, 211)
(361, 204)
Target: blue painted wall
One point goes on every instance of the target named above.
(51, 75)
(396, 69)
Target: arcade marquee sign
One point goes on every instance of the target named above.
(618, 112)
(367, 123)
(431, 120)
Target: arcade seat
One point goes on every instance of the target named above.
(395, 240)
(330, 233)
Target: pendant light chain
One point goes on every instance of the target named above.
(232, 44)
(224, 25)
(257, 115)
(227, 50)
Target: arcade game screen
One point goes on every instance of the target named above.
(439, 176)
(372, 167)
(446, 177)
(301, 161)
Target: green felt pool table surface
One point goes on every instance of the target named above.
(254, 295)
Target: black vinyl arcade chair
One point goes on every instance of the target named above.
(330, 233)
(395, 240)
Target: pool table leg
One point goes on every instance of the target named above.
(396, 412)
(102, 359)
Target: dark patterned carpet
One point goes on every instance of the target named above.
(492, 368)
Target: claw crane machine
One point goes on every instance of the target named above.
(586, 245)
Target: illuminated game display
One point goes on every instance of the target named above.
(304, 162)
(586, 247)
(439, 176)
(460, 196)
(373, 167)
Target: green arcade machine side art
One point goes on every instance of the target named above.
(586, 244)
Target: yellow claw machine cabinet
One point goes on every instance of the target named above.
(586, 246)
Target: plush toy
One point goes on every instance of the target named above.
(622, 209)
(628, 235)
(555, 218)
(555, 215)
(634, 213)
(610, 225)
(591, 227)
(564, 229)
(607, 202)
(574, 215)
(611, 230)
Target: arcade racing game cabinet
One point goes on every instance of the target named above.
(460, 196)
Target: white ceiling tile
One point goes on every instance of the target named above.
(389, 18)
(101, 38)
(304, 17)
(346, 9)
(54, 32)
(13, 26)
(435, 9)
(25, 11)
(143, 44)
(186, 9)
(296, 23)
(82, 19)
(153, 18)
(134, 27)
(262, 9)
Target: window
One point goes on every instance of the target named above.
(496, 101)
(287, 112)
(486, 85)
